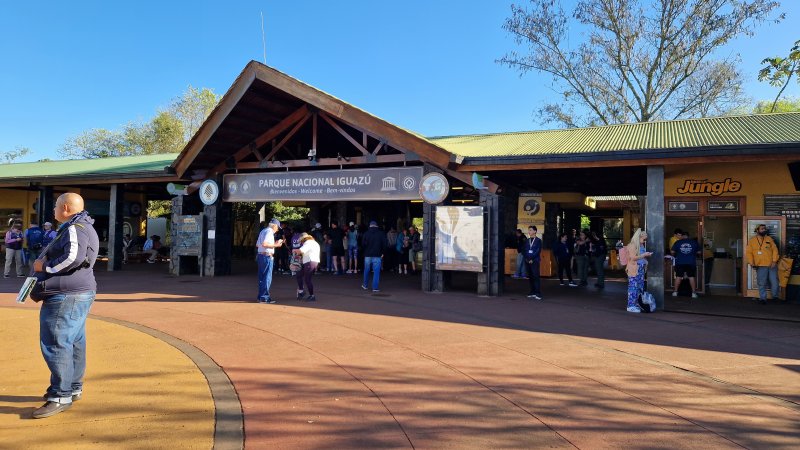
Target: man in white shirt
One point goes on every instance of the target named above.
(266, 245)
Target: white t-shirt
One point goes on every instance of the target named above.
(266, 235)
(310, 251)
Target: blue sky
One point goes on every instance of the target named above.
(428, 66)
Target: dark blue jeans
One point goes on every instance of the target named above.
(62, 337)
(264, 275)
(374, 263)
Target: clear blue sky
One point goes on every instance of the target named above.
(424, 65)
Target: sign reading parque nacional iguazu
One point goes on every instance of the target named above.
(392, 183)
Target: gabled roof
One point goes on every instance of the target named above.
(728, 131)
(261, 97)
(87, 170)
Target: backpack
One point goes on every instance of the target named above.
(623, 256)
(35, 237)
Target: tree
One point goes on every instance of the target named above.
(192, 108)
(789, 104)
(780, 70)
(167, 132)
(13, 155)
(638, 62)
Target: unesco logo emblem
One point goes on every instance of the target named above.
(232, 188)
(245, 187)
(409, 183)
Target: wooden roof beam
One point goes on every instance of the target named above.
(286, 138)
(341, 131)
(267, 136)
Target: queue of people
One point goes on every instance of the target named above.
(336, 250)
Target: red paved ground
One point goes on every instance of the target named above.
(406, 369)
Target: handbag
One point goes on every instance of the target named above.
(647, 303)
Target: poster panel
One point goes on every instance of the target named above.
(459, 238)
(530, 211)
(776, 226)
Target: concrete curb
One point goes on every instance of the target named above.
(228, 416)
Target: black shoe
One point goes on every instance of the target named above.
(762, 302)
(300, 295)
(51, 409)
(311, 298)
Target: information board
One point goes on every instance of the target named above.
(459, 238)
(189, 235)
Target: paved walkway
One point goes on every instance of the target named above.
(402, 369)
(140, 391)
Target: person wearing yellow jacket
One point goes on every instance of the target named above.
(763, 255)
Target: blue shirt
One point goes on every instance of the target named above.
(685, 251)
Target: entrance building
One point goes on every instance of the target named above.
(274, 138)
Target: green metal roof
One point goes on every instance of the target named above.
(690, 133)
(100, 167)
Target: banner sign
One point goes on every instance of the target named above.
(530, 211)
(393, 183)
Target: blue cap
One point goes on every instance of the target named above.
(372, 223)
(275, 221)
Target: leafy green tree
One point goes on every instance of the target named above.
(192, 108)
(789, 104)
(640, 60)
(13, 155)
(780, 70)
(167, 132)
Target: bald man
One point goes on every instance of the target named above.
(69, 290)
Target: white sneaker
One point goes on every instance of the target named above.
(694, 294)
(674, 293)
(536, 297)
(634, 309)
(571, 284)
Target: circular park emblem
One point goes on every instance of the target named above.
(434, 188)
(209, 192)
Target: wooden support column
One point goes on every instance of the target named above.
(654, 225)
(550, 235)
(490, 282)
(45, 205)
(341, 213)
(217, 253)
(432, 280)
(116, 213)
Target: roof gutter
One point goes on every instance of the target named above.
(679, 156)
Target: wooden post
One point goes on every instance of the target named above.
(432, 279)
(654, 223)
(45, 205)
(217, 252)
(116, 213)
(490, 282)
